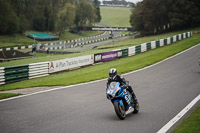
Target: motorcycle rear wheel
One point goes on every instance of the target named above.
(120, 110)
(136, 108)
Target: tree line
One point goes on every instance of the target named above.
(158, 16)
(17, 16)
(118, 2)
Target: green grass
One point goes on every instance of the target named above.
(191, 124)
(7, 95)
(100, 71)
(71, 36)
(15, 40)
(115, 16)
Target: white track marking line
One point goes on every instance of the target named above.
(166, 127)
(100, 79)
(39, 92)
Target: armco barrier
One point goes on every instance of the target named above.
(165, 41)
(16, 73)
(125, 52)
(131, 51)
(38, 70)
(143, 47)
(2, 76)
(171, 40)
(161, 42)
(157, 44)
(138, 49)
(15, 48)
(148, 46)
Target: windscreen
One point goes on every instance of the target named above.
(112, 85)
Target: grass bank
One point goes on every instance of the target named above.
(7, 95)
(100, 71)
(191, 124)
(115, 16)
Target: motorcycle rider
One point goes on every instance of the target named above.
(113, 76)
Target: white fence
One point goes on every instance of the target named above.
(38, 70)
(2, 76)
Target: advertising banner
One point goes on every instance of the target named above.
(108, 56)
(97, 58)
(69, 63)
(105, 28)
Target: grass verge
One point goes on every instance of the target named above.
(191, 124)
(100, 71)
(7, 95)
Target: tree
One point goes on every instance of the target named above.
(65, 18)
(185, 14)
(136, 18)
(158, 16)
(98, 13)
(9, 23)
(85, 13)
(45, 15)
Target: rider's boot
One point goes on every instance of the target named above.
(135, 101)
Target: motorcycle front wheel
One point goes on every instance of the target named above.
(120, 110)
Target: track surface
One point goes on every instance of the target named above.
(163, 91)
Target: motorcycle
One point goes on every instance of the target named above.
(121, 99)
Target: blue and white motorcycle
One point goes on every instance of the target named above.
(121, 99)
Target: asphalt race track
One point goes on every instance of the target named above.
(163, 91)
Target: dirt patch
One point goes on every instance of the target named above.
(13, 55)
